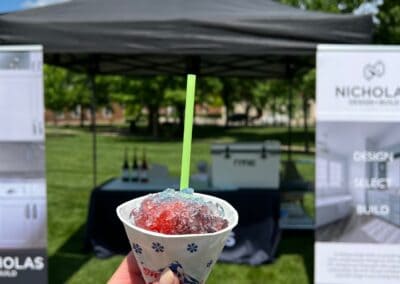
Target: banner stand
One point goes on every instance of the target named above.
(357, 165)
(23, 210)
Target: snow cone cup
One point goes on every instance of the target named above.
(191, 256)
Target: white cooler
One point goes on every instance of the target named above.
(245, 165)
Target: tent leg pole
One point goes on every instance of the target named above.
(274, 110)
(305, 117)
(93, 126)
(290, 114)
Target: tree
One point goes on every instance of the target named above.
(306, 89)
(248, 95)
(388, 29)
(79, 94)
(123, 92)
(271, 93)
(152, 92)
(81, 89)
(387, 18)
(230, 93)
(176, 96)
(148, 92)
(208, 92)
(56, 89)
(332, 6)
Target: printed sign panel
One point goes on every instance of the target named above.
(357, 165)
(23, 216)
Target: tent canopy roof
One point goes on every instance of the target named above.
(144, 37)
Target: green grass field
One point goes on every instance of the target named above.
(69, 179)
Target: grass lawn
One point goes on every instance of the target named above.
(69, 180)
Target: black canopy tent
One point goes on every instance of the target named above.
(210, 37)
(232, 37)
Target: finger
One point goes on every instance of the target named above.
(127, 273)
(132, 265)
(168, 277)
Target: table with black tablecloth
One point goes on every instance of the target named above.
(253, 241)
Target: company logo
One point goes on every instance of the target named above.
(10, 265)
(371, 71)
(244, 163)
(369, 93)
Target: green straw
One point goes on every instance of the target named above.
(187, 131)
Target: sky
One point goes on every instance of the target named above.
(14, 5)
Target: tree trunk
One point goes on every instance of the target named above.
(82, 118)
(155, 124)
(225, 99)
(153, 121)
(55, 120)
(247, 113)
(150, 117)
(133, 123)
(227, 111)
(260, 112)
(181, 114)
(132, 126)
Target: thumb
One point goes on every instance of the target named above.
(168, 277)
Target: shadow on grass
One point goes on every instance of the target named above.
(69, 258)
(64, 171)
(254, 133)
(60, 135)
(238, 134)
(301, 243)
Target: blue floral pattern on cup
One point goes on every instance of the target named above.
(209, 263)
(137, 248)
(192, 247)
(157, 247)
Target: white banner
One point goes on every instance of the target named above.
(23, 216)
(357, 165)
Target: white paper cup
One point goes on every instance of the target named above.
(190, 256)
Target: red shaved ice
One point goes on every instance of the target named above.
(178, 212)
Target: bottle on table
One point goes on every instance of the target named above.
(144, 169)
(135, 168)
(125, 168)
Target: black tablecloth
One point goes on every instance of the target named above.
(253, 241)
